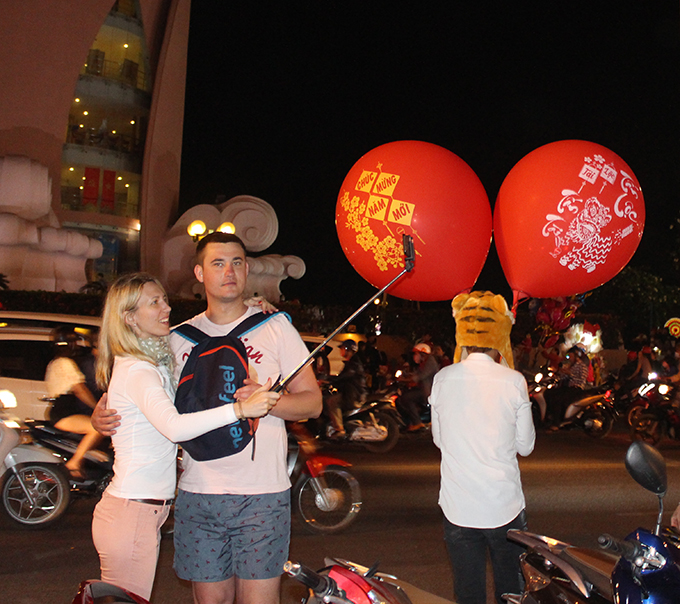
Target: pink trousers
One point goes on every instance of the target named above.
(126, 535)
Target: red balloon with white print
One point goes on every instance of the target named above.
(423, 190)
(568, 217)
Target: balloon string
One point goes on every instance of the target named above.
(517, 298)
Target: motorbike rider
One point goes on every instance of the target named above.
(350, 387)
(559, 399)
(371, 358)
(73, 400)
(415, 398)
(645, 364)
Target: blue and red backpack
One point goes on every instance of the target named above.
(214, 371)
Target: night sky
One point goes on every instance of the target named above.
(281, 102)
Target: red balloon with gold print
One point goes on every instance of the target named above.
(568, 217)
(423, 190)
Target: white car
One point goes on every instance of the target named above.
(26, 348)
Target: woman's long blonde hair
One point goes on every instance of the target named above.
(116, 337)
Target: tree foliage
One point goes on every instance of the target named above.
(642, 300)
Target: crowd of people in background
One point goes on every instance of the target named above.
(367, 370)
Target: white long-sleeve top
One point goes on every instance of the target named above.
(481, 420)
(144, 444)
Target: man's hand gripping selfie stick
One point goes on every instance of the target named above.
(409, 261)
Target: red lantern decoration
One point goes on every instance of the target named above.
(423, 190)
(568, 217)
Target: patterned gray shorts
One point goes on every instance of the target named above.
(219, 536)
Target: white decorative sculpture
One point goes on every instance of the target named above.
(32, 256)
(257, 226)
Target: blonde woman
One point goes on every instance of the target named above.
(136, 367)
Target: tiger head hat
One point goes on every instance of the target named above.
(483, 319)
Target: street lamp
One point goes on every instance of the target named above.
(197, 229)
(227, 227)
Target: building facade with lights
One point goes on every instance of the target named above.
(91, 118)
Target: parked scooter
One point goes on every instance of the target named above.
(373, 423)
(98, 592)
(645, 567)
(35, 487)
(344, 582)
(325, 496)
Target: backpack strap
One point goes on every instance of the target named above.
(191, 333)
(196, 336)
(251, 322)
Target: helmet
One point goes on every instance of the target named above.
(422, 347)
(65, 340)
(349, 345)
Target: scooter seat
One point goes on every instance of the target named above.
(47, 428)
(594, 565)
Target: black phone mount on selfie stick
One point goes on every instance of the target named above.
(409, 261)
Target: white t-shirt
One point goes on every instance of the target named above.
(145, 463)
(481, 420)
(61, 376)
(274, 349)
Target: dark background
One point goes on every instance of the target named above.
(282, 100)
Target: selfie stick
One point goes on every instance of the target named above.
(409, 261)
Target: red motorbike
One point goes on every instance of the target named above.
(325, 497)
(344, 582)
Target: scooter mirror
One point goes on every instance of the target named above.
(647, 467)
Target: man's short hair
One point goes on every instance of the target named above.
(478, 349)
(216, 237)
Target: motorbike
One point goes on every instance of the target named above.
(644, 567)
(658, 419)
(99, 592)
(344, 582)
(593, 411)
(35, 487)
(545, 379)
(642, 396)
(373, 423)
(325, 496)
(399, 386)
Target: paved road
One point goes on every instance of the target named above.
(576, 488)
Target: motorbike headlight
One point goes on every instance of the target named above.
(7, 399)
(664, 389)
(538, 377)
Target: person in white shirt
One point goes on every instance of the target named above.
(73, 400)
(251, 488)
(136, 367)
(481, 421)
